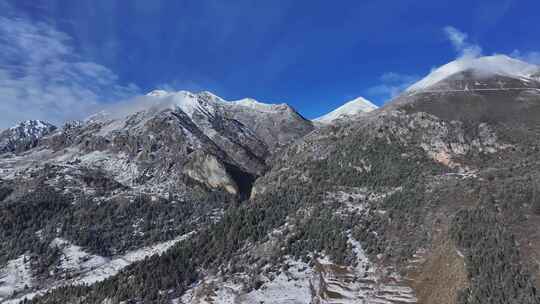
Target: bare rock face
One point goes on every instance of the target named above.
(125, 183)
(443, 141)
(433, 198)
(280, 126)
(165, 137)
(206, 168)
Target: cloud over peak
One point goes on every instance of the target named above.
(391, 84)
(43, 77)
(461, 44)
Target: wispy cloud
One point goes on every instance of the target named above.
(391, 85)
(468, 50)
(461, 44)
(531, 56)
(42, 76)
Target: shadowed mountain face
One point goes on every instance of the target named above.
(92, 197)
(434, 198)
(163, 137)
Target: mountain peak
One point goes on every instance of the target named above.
(158, 93)
(501, 65)
(257, 105)
(33, 123)
(23, 135)
(209, 94)
(31, 129)
(353, 107)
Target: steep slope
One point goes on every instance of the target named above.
(281, 124)
(24, 135)
(162, 134)
(431, 199)
(493, 88)
(354, 107)
(457, 172)
(132, 177)
(482, 68)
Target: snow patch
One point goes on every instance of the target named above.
(158, 93)
(485, 66)
(84, 267)
(15, 277)
(288, 287)
(353, 107)
(74, 258)
(324, 283)
(256, 105)
(114, 265)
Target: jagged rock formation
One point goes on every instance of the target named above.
(24, 135)
(154, 140)
(431, 199)
(177, 151)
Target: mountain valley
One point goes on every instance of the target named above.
(181, 197)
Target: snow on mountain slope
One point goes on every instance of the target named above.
(74, 258)
(483, 66)
(159, 100)
(256, 105)
(153, 137)
(274, 124)
(15, 276)
(152, 103)
(32, 128)
(24, 135)
(157, 93)
(78, 266)
(323, 282)
(353, 107)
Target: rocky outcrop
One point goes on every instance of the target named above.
(441, 140)
(207, 169)
(160, 138)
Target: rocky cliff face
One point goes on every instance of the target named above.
(161, 167)
(430, 199)
(168, 135)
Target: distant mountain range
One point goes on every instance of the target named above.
(181, 197)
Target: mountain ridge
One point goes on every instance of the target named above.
(24, 135)
(483, 67)
(250, 202)
(357, 106)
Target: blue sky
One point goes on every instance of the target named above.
(64, 59)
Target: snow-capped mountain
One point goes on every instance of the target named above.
(168, 157)
(477, 89)
(167, 135)
(481, 68)
(354, 107)
(24, 135)
(274, 124)
(181, 197)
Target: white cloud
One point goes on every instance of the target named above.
(42, 77)
(468, 51)
(530, 57)
(468, 57)
(391, 85)
(460, 43)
